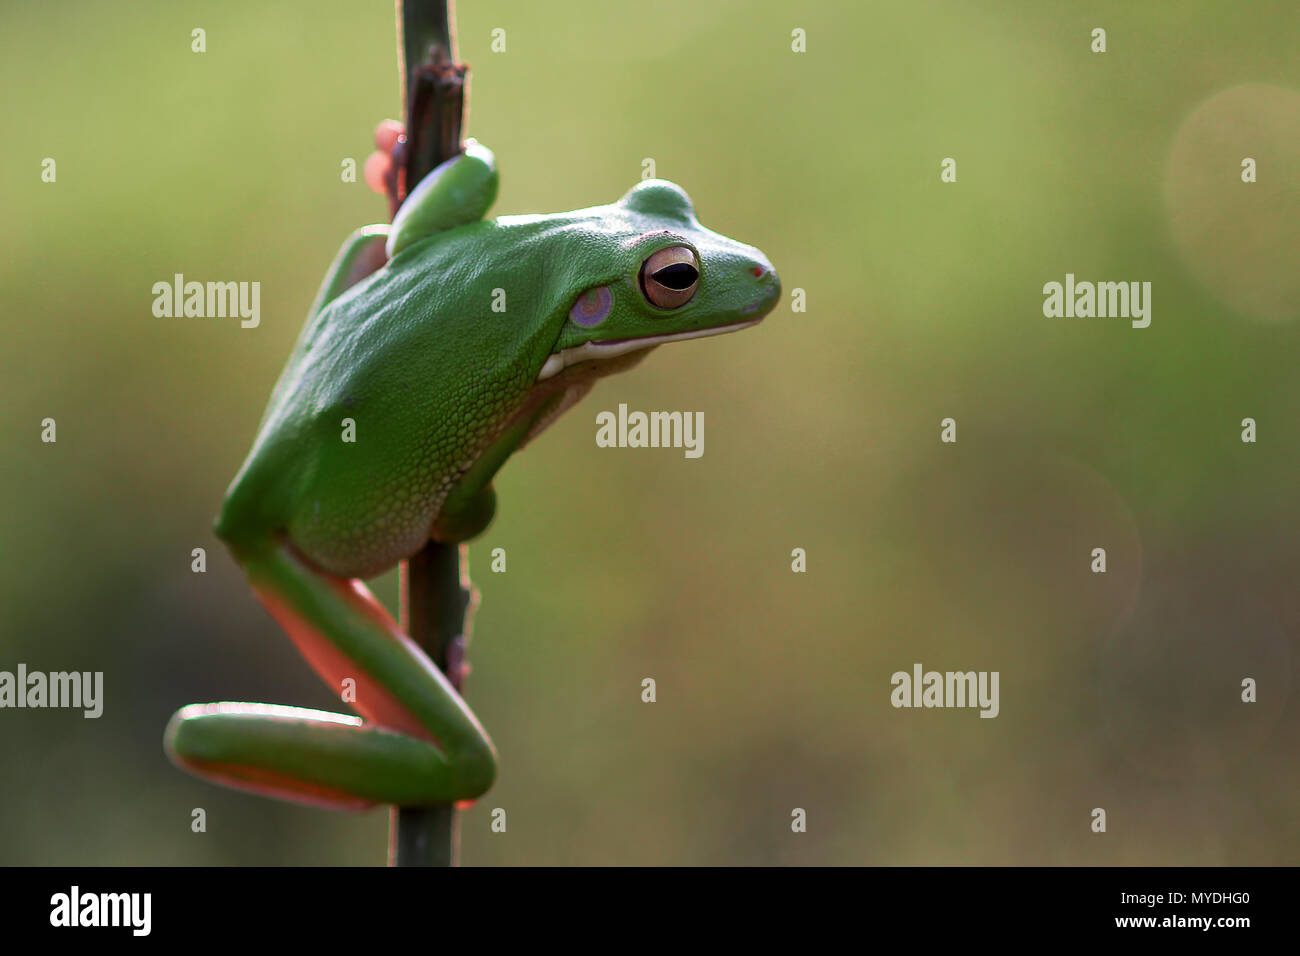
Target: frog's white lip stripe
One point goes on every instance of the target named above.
(559, 361)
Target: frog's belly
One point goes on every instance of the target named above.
(364, 534)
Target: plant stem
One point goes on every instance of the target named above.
(433, 91)
(437, 605)
(437, 599)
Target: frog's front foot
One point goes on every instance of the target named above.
(384, 166)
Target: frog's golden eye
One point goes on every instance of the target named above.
(670, 276)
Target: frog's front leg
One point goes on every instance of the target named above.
(419, 744)
(361, 254)
(457, 192)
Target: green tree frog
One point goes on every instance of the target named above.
(409, 387)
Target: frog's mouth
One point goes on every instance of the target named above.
(557, 362)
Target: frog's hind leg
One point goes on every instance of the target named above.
(419, 744)
(308, 756)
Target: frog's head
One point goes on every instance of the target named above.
(662, 277)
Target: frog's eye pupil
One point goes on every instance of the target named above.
(679, 276)
(670, 277)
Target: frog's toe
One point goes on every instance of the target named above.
(379, 166)
(387, 135)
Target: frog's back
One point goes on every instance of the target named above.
(388, 391)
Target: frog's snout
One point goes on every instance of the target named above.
(766, 285)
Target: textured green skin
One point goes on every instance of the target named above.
(442, 389)
(431, 375)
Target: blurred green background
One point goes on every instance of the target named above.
(924, 301)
